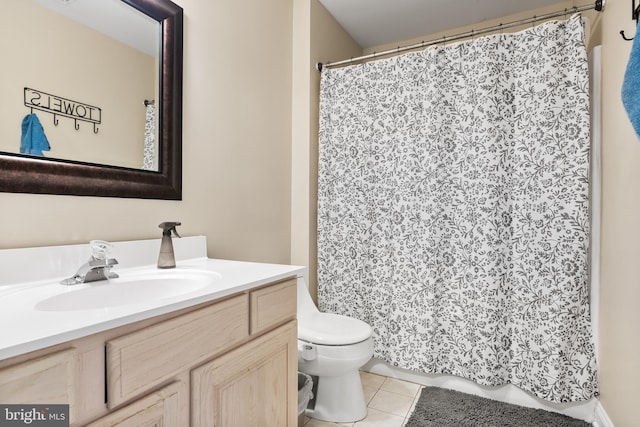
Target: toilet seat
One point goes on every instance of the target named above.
(332, 329)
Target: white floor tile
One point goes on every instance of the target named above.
(401, 387)
(392, 403)
(371, 380)
(317, 423)
(369, 392)
(377, 418)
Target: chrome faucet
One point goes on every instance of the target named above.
(97, 268)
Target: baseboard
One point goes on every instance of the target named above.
(601, 417)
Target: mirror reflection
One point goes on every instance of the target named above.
(83, 82)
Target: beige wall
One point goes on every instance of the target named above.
(317, 38)
(237, 147)
(58, 56)
(620, 259)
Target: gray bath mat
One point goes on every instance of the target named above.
(439, 407)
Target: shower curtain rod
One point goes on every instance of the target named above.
(599, 6)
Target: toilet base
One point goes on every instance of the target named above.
(339, 399)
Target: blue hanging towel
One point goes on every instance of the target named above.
(33, 140)
(631, 85)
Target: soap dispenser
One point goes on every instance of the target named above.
(167, 259)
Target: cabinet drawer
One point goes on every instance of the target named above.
(46, 380)
(141, 360)
(273, 305)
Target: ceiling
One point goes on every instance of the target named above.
(114, 18)
(376, 22)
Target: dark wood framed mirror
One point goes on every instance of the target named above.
(29, 174)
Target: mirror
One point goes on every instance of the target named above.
(82, 112)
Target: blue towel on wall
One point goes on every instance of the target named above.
(33, 140)
(631, 85)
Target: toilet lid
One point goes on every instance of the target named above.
(332, 329)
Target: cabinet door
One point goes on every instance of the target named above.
(252, 386)
(46, 380)
(166, 407)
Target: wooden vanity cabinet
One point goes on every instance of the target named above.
(226, 363)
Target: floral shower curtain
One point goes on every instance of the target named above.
(453, 208)
(150, 159)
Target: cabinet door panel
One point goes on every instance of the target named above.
(166, 407)
(252, 386)
(46, 380)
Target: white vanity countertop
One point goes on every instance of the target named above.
(25, 328)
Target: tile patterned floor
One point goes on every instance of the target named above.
(389, 401)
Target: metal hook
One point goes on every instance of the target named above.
(635, 14)
(55, 120)
(95, 128)
(76, 125)
(625, 37)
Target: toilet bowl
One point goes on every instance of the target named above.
(332, 348)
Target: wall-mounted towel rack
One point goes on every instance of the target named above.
(635, 13)
(59, 106)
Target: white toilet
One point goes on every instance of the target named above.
(332, 348)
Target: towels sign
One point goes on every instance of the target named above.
(58, 105)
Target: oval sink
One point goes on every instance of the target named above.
(132, 288)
